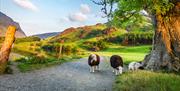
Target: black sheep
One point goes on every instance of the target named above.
(117, 64)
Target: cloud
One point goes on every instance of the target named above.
(81, 15)
(85, 9)
(77, 17)
(64, 19)
(26, 4)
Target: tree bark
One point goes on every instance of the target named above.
(6, 48)
(166, 48)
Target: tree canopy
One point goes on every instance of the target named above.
(127, 12)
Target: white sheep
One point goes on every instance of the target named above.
(135, 66)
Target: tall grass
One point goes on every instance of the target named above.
(34, 63)
(147, 81)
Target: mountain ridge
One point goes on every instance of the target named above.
(5, 21)
(46, 35)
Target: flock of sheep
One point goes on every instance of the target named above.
(115, 61)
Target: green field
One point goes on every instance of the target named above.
(128, 53)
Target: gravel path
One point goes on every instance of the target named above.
(72, 76)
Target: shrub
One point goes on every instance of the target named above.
(8, 70)
(117, 39)
(38, 44)
(30, 48)
(27, 39)
(21, 59)
(37, 49)
(2, 39)
(22, 52)
(55, 48)
(48, 48)
(95, 46)
(67, 49)
(75, 50)
(33, 60)
(94, 33)
(32, 44)
(135, 38)
(132, 38)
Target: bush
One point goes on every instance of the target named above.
(27, 39)
(67, 49)
(95, 46)
(8, 70)
(37, 49)
(48, 48)
(132, 38)
(117, 39)
(135, 38)
(33, 60)
(2, 39)
(55, 48)
(32, 44)
(21, 59)
(38, 44)
(22, 52)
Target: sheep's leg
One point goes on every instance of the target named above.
(116, 72)
(97, 67)
(93, 68)
(90, 69)
(120, 70)
(113, 70)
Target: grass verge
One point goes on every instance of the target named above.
(30, 65)
(147, 81)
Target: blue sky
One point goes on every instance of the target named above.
(41, 16)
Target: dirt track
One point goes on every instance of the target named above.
(72, 76)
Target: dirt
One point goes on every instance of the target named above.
(71, 76)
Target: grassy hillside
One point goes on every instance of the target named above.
(87, 33)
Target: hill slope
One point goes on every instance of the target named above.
(86, 32)
(5, 21)
(46, 35)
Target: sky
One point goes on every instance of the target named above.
(43, 16)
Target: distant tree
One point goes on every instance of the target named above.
(6, 48)
(165, 15)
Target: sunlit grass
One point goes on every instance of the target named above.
(147, 81)
(33, 64)
(128, 53)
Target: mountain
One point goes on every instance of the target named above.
(86, 32)
(46, 35)
(5, 21)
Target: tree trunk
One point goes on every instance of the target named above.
(6, 48)
(166, 47)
